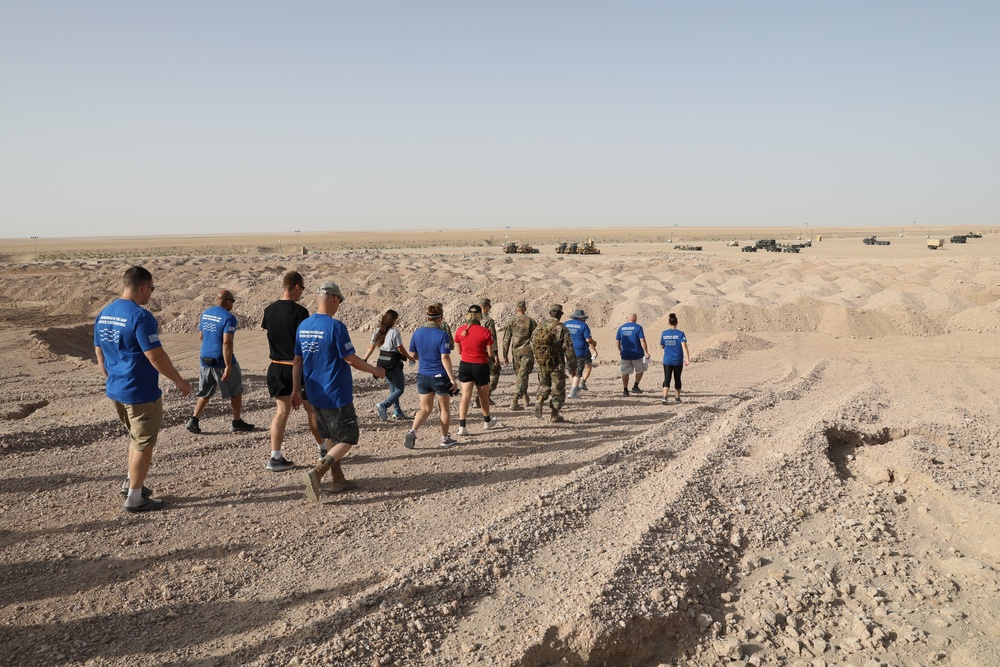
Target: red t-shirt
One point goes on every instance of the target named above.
(474, 345)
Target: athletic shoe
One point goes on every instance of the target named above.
(447, 441)
(381, 412)
(147, 505)
(401, 417)
(583, 385)
(192, 425)
(636, 390)
(240, 426)
(491, 424)
(663, 402)
(146, 493)
(312, 483)
(410, 441)
(624, 392)
(322, 454)
(462, 430)
(574, 393)
(279, 465)
(677, 400)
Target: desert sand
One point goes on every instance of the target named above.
(826, 494)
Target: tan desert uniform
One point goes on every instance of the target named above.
(517, 340)
(553, 348)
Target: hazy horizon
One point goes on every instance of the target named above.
(133, 120)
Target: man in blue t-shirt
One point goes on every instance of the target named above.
(219, 368)
(128, 349)
(324, 356)
(585, 348)
(635, 355)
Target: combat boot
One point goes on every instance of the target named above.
(516, 403)
(538, 408)
(556, 418)
(527, 401)
(339, 483)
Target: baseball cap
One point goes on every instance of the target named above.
(474, 308)
(555, 308)
(486, 302)
(327, 287)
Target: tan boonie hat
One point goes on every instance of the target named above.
(327, 287)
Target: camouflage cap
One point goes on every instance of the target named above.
(486, 303)
(521, 304)
(555, 309)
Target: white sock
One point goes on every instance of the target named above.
(276, 454)
(134, 496)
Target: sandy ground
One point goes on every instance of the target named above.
(826, 494)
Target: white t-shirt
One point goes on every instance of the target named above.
(393, 340)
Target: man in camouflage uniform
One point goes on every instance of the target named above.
(517, 335)
(443, 326)
(488, 322)
(553, 348)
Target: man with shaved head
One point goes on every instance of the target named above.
(635, 355)
(219, 369)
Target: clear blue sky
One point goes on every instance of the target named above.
(199, 117)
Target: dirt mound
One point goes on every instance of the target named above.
(730, 345)
(57, 342)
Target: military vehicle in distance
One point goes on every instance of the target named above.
(871, 240)
(526, 249)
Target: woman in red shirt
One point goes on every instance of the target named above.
(476, 345)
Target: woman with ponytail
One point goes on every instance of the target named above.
(390, 357)
(675, 357)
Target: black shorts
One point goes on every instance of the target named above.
(279, 381)
(338, 424)
(478, 373)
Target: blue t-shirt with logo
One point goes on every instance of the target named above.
(673, 354)
(323, 342)
(629, 335)
(215, 323)
(430, 343)
(125, 331)
(579, 332)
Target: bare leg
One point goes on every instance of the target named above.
(237, 403)
(283, 406)
(426, 408)
(313, 425)
(444, 403)
(463, 405)
(484, 399)
(199, 406)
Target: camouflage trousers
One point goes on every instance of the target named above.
(494, 376)
(524, 363)
(552, 381)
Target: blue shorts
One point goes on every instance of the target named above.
(437, 384)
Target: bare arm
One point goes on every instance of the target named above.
(402, 350)
(687, 355)
(296, 397)
(371, 348)
(446, 361)
(227, 354)
(100, 361)
(161, 362)
(360, 364)
(644, 348)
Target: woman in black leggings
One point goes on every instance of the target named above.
(675, 357)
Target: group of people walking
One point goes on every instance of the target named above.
(311, 357)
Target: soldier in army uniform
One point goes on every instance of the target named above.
(517, 338)
(553, 348)
(488, 322)
(445, 327)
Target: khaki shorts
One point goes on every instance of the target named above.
(629, 366)
(142, 420)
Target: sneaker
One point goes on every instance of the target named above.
(410, 441)
(192, 425)
(147, 505)
(677, 400)
(462, 430)
(146, 493)
(583, 385)
(322, 454)
(624, 392)
(447, 441)
(664, 402)
(636, 390)
(491, 424)
(381, 412)
(574, 393)
(401, 417)
(311, 480)
(240, 426)
(279, 465)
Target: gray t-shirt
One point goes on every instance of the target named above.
(393, 340)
